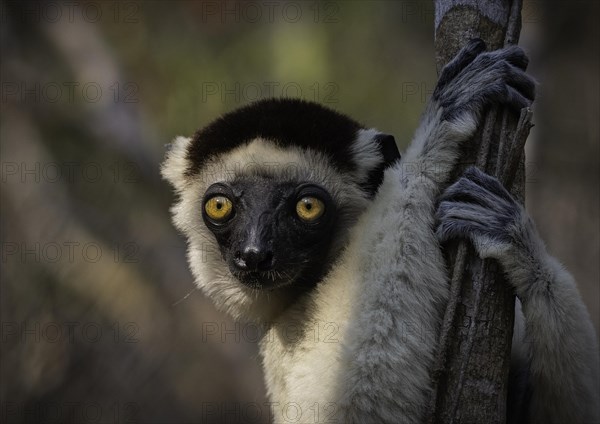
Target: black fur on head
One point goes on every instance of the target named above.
(289, 122)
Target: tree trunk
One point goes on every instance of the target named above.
(471, 370)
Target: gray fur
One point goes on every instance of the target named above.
(476, 77)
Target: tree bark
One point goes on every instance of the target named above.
(471, 370)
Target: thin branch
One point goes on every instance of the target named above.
(516, 149)
(513, 28)
(486, 138)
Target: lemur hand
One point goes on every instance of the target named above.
(479, 208)
(475, 79)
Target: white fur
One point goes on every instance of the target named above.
(175, 163)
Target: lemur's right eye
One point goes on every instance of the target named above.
(218, 208)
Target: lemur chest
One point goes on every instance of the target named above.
(304, 352)
(304, 376)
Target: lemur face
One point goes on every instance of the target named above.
(271, 233)
(267, 195)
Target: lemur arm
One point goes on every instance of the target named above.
(399, 311)
(467, 84)
(560, 341)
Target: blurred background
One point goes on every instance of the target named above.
(100, 321)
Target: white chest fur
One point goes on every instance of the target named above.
(302, 352)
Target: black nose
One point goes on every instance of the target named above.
(252, 258)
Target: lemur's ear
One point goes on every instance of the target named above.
(387, 146)
(175, 164)
(389, 150)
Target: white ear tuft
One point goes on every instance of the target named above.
(175, 164)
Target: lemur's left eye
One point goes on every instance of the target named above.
(218, 208)
(309, 208)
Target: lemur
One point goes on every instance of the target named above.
(304, 221)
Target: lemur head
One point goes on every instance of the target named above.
(267, 196)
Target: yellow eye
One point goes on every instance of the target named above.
(310, 209)
(218, 208)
